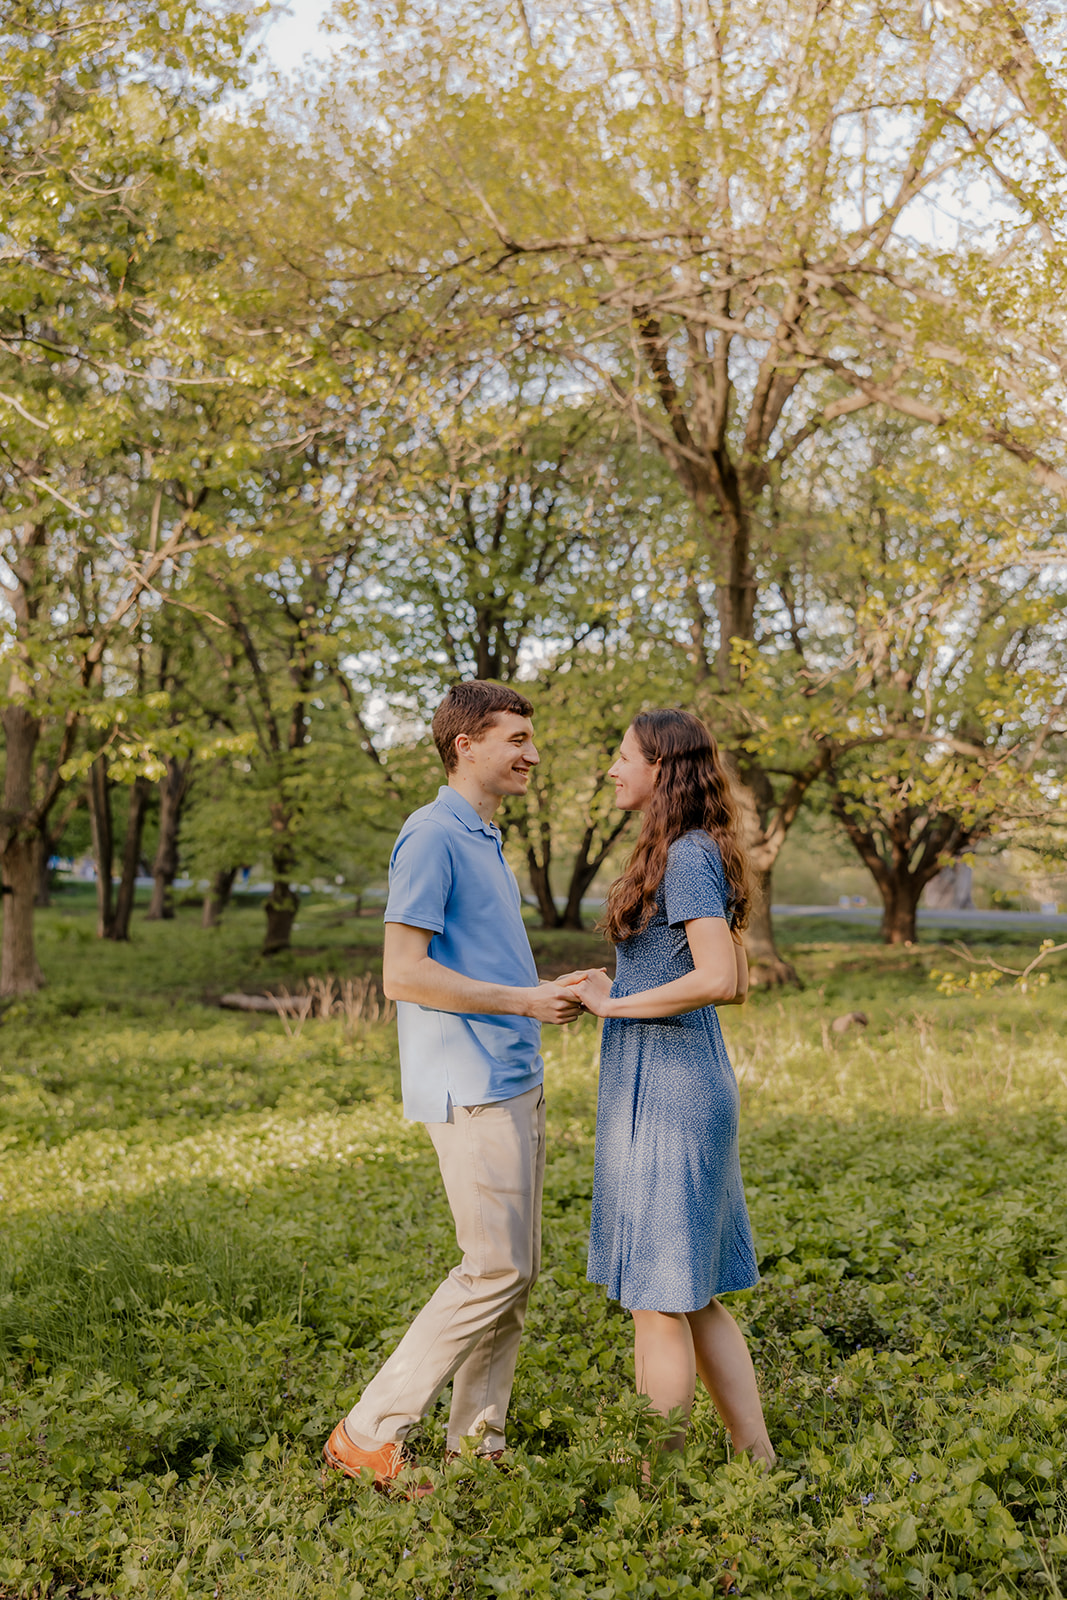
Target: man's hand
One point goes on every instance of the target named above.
(553, 1002)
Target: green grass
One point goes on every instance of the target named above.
(214, 1232)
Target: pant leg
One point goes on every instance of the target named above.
(488, 1157)
(481, 1388)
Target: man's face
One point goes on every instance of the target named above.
(503, 756)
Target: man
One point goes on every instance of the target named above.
(469, 1013)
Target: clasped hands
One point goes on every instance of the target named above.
(564, 999)
(592, 988)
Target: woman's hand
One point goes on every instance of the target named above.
(594, 991)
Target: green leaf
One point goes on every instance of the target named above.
(904, 1535)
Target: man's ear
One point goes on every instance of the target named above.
(462, 745)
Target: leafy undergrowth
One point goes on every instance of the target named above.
(214, 1232)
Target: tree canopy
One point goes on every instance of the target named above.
(709, 354)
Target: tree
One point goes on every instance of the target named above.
(191, 713)
(512, 535)
(321, 808)
(928, 574)
(710, 212)
(278, 640)
(516, 551)
(583, 703)
(93, 155)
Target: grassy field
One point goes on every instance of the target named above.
(214, 1231)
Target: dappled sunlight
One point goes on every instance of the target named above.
(919, 1063)
(216, 1230)
(95, 1168)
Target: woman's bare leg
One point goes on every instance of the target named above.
(726, 1371)
(665, 1364)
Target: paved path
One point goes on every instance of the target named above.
(1009, 921)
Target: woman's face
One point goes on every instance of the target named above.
(633, 775)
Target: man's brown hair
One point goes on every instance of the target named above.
(470, 708)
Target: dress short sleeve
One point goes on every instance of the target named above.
(420, 879)
(694, 884)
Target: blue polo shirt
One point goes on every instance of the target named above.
(448, 875)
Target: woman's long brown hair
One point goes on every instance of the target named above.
(692, 791)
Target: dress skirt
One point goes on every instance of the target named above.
(670, 1226)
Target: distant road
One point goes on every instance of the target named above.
(1013, 921)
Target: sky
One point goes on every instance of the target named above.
(294, 32)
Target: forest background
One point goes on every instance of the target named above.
(649, 354)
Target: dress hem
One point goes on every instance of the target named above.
(675, 1310)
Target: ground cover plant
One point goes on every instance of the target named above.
(214, 1230)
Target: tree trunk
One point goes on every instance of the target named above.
(103, 844)
(218, 897)
(584, 870)
(276, 1004)
(51, 838)
(281, 908)
(19, 970)
(539, 867)
(46, 843)
(572, 911)
(764, 828)
(131, 856)
(173, 789)
(43, 898)
(900, 898)
(541, 885)
(766, 967)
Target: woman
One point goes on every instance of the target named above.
(670, 1229)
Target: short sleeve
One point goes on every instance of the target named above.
(420, 880)
(694, 884)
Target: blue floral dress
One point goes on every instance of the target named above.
(670, 1226)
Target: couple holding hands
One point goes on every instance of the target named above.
(670, 1230)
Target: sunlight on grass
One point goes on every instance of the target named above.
(930, 1061)
(214, 1232)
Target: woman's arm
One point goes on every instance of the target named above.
(713, 981)
(741, 959)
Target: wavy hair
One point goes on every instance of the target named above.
(692, 790)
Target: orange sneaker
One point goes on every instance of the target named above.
(386, 1463)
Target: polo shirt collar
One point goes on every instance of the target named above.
(464, 812)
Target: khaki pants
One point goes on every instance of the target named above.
(492, 1161)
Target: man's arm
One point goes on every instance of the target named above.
(409, 973)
